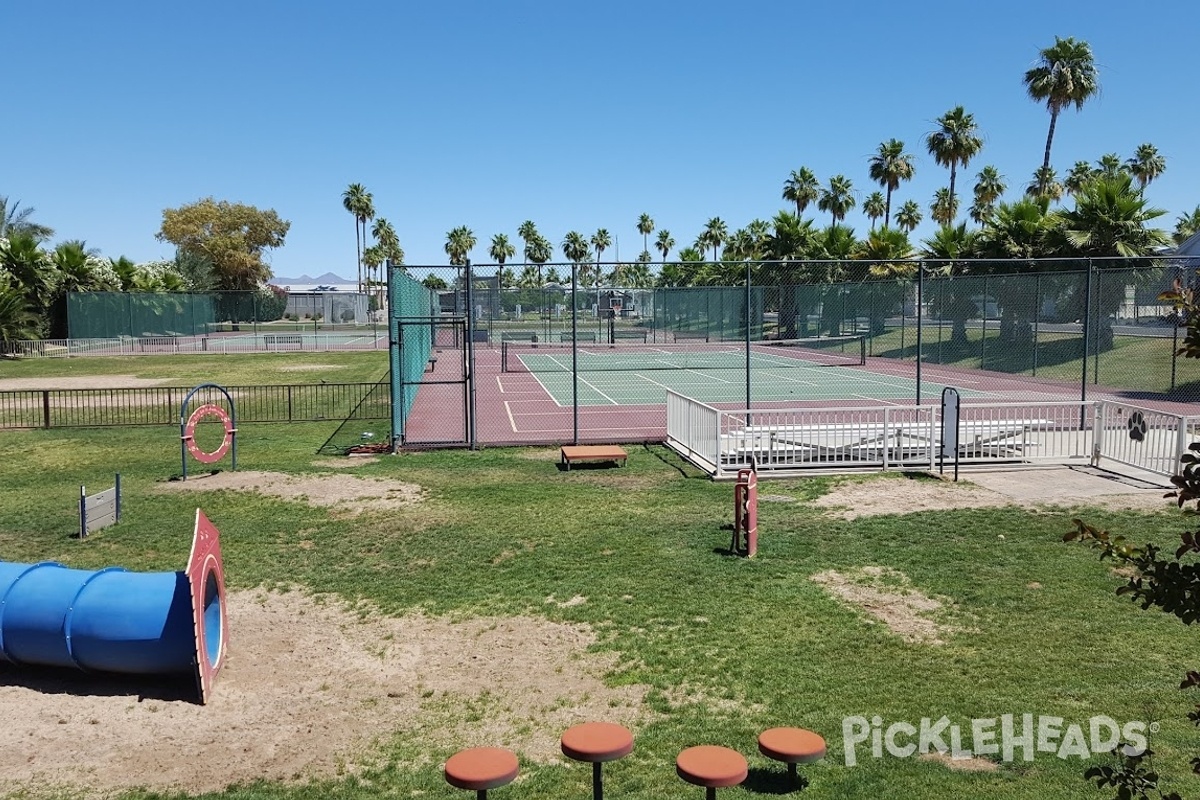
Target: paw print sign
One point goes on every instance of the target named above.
(1137, 426)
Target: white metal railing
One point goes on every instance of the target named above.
(692, 430)
(1141, 437)
(799, 439)
(781, 439)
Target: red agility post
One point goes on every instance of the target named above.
(745, 514)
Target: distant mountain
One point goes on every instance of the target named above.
(328, 278)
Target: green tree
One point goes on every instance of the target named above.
(1146, 164)
(460, 241)
(909, 216)
(801, 188)
(645, 227)
(358, 201)
(664, 244)
(601, 241)
(392, 253)
(233, 237)
(875, 207)
(1079, 176)
(1064, 76)
(1044, 187)
(17, 321)
(434, 282)
(14, 220)
(714, 235)
(946, 247)
(837, 198)
(1186, 225)
(576, 248)
(1109, 165)
(888, 167)
(989, 188)
(944, 207)
(953, 144)
(501, 250)
(1112, 218)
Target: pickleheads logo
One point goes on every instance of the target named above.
(1010, 737)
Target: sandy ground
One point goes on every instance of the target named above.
(79, 382)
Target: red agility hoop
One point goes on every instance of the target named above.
(189, 433)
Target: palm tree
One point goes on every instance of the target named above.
(1080, 175)
(1186, 225)
(1111, 218)
(576, 249)
(909, 216)
(944, 207)
(875, 207)
(29, 270)
(501, 250)
(389, 248)
(888, 168)
(14, 221)
(1146, 164)
(989, 187)
(460, 242)
(357, 200)
(1109, 165)
(802, 189)
(947, 245)
(645, 227)
(1065, 75)
(601, 241)
(955, 142)
(1045, 187)
(837, 198)
(664, 243)
(1017, 231)
(714, 235)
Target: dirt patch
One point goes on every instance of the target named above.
(889, 596)
(864, 498)
(80, 382)
(307, 367)
(968, 764)
(349, 494)
(349, 462)
(307, 687)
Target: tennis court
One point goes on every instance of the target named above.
(832, 368)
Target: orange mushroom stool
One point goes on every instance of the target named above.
(792, 746)
(597, 742)
(712, 767)
(480, 769)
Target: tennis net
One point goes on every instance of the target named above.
(698, 355)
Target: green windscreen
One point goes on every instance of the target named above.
(413, 308)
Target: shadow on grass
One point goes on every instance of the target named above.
(773, 781)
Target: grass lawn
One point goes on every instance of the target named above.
(728, 646)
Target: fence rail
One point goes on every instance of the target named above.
(783, 441)
(159, 405)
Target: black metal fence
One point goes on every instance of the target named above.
(159, 405)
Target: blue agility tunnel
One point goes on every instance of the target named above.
(113, 620)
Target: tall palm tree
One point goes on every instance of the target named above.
(16, 220)
(1045, 187)
(1080, 175)
(909, 216)
(714, 235)
(1065, 75)
(576, 248)
(1146, 164)
(501, 250)
(389, 248)
(601, 241)
(664, 243)
(875, 207)
(645, 227)
(944, 207)
(802, 189)
(358, 201)
(837, 198)
(460, 242)
(888, 168)
(955, 142)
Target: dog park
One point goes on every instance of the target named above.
(387, 612)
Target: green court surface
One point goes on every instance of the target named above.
(649, 386)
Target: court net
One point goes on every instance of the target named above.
(828, 351)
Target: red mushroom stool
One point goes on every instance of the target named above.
(712, 767)
(480, 769)
(792, 746)
(597, 742)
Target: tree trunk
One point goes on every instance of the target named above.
(1050, 137)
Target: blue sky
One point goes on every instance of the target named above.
(574, 115)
